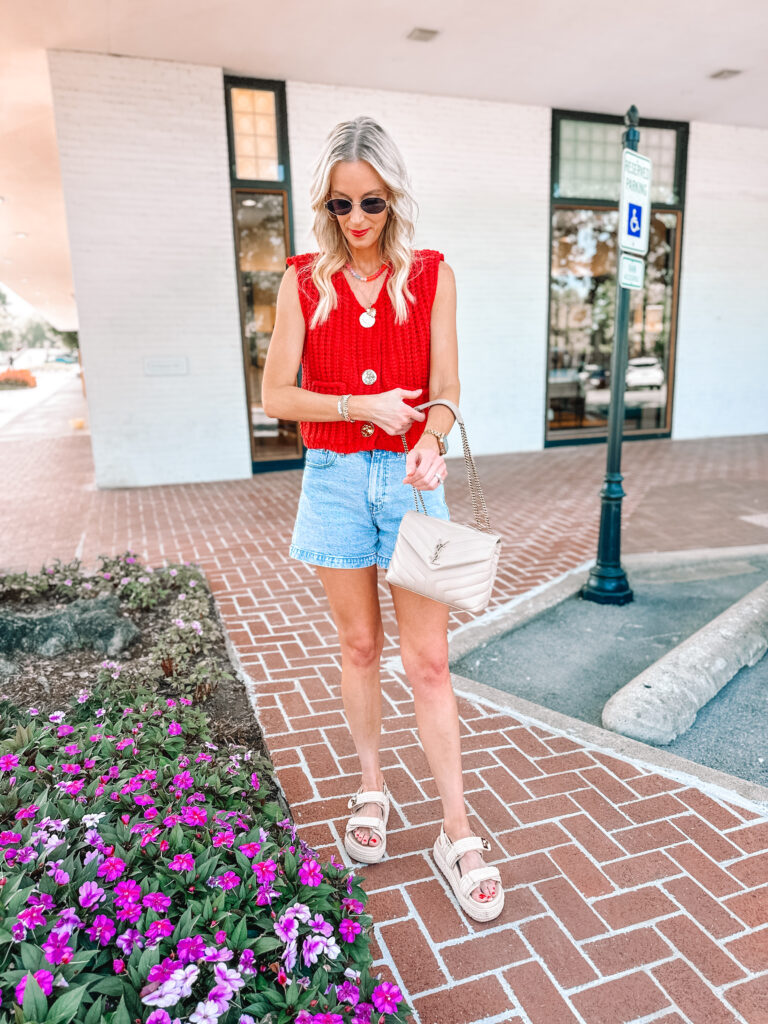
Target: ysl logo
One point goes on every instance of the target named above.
(438, 548)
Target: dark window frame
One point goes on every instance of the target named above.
(258, 185)
(556, 202)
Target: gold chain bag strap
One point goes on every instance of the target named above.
(454, 563)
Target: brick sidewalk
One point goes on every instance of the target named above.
(630, 896)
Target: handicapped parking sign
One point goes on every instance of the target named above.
(634, 218)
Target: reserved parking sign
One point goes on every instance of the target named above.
(634, 202)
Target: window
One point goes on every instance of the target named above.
(586, 171)
(261, 212)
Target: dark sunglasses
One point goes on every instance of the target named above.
(341, 207)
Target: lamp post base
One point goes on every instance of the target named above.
(607, 585)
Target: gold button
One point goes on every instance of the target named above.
(369, 376)
(367, 429)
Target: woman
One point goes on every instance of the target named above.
(373, 324)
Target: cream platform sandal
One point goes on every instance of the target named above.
(447, 856)
(368, 854)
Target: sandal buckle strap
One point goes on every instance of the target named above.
(473, 878)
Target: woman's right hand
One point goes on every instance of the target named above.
(388, 410)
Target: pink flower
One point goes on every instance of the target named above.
(386, 996)
(127, 889)
(157, 901)
(182, 862)
(27, 812)
(90, 894)
(118, 965)
(310, 873)
(42, 977)
(349, 930)
(265, 870)
(174, 729)
(183, 780)
(111, 868)
(8, 761)
(102, 929)
(194, 815)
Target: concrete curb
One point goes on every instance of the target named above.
(662, 702)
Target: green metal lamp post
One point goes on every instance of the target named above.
(607, 582)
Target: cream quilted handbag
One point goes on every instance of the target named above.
(454, 563)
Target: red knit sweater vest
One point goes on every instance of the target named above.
(338, 352)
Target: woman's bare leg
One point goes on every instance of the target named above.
(354, 600)
(423, 626)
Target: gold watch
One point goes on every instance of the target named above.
(442, 439)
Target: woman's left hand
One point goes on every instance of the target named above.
(422, 465)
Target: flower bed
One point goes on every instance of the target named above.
(11, 378)
(147, 873)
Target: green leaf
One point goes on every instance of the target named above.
(265, 944)
(31, 956)
(121, 1015)
(149, 958)
(35, 1004)
(65, 1008)
(94, 1014)
(109, 986)
(239, 935)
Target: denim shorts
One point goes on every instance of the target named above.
(350, 507)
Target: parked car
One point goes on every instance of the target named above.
(594, 376)
(644, 372)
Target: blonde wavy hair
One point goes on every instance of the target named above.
(363, 139)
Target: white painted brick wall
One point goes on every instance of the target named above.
(480, 172)
(721, 381)
(144, 165)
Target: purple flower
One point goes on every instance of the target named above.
(349, 930)
(286, 927)
(182, 862)
(348, 992)
(90, 894)
(313, 946)
(157, 901)
(26, 812)
(194, 815)
(56, 948)
(111, 868)
(265, 870)
(183, 780)
(229, 880)
(159, 930)
(386, 996)
(310, 873)
(31, 917)
(102, 929)
(130, 937)
(43, 978)
(128, 889)
(191, 948)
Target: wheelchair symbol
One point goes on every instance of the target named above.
(635, 213)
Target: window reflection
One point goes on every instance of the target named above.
(582, 313)
(261, 228)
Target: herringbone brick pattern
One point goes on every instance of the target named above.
(630, 896)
